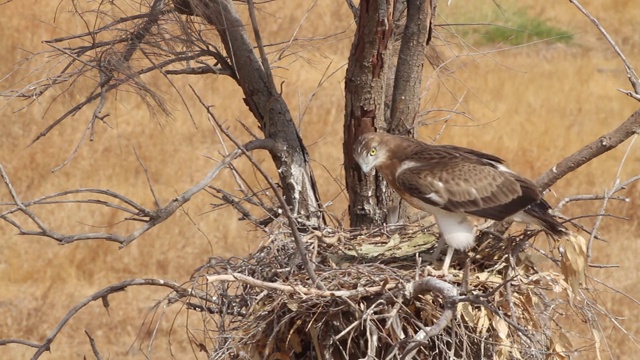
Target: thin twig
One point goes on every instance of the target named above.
(588, 197)
(295, 289)
(256, 32)
(355, 11)
(617, 186)
(273, 147)
(45, 345)
(631, 74)
(146, 174)
(94, 346)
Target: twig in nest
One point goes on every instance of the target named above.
(295, 289)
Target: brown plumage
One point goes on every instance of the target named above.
(451, 182)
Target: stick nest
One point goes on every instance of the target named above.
(377, 302)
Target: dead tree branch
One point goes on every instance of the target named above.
(149, 217)
(591, 151)
(268, 107)
(276, 150)
(119, 50)
(617, 186)
(631, 73)
(608, 141)
(236, 277)
(100, 295)
(94, 346)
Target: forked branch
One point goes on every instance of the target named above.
(137, 212)
(115, 54)
(608, 141)
(276, 150)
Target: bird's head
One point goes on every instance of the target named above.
(368, 151)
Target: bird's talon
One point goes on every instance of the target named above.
(445, 275)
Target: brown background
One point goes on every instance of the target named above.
(532, 106)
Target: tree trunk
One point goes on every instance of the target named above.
(364, 108)
(268, 107)
(408, 79)
(383, 94)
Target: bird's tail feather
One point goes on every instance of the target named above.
(540, 211)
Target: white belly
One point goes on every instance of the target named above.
(457, 230)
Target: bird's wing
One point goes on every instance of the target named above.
(464, 183)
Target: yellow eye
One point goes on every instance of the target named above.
(373, 151)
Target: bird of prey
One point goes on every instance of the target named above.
(452, 182)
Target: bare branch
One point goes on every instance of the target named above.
(591, 151)
(202, 70)
(268, 107)
(146, 175)
(256, 33)
(110, 62)
(45, 345)
(273, 148)
(138, 210)
(32, 344)
(617, 186)
(590, 197)
(354, 9)
(151, 218)
(94, 346)
(299, 289)
(631, 73)
(246, 214)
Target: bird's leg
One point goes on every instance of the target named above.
(447, 261)
(458, 232)
(433, 258)
(429, 271)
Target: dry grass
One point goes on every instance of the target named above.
(532, 106)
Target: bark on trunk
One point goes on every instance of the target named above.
(364, 108)
(408, 80)
(383, 93)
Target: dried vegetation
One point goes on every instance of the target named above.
(379, 301)
(373, 297)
